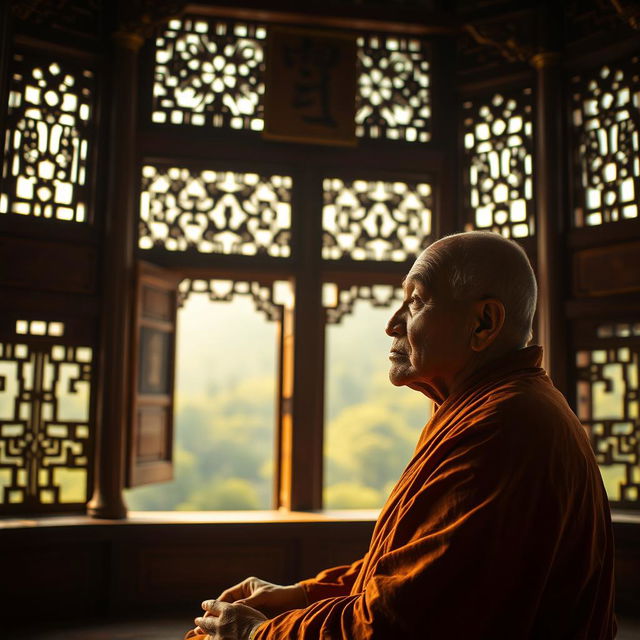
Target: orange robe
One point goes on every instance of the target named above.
(499, 528)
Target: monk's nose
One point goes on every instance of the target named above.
(396, 324)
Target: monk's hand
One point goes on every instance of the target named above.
(228, 621)
(270, 599)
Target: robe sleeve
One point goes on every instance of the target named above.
(330, 583)
(481, 524)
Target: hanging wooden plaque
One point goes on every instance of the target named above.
(310, 87)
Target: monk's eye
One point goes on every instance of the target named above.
(414, 302)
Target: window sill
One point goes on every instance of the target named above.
(143, 518)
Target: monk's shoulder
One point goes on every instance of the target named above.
(521, 414)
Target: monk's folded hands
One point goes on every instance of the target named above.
(228, 621)
(270, 599)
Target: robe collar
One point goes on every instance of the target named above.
(520, 361)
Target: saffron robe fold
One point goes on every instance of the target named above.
(499, 527)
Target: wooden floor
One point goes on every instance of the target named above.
(174, 629)
(159, 629)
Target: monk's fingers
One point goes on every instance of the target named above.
(229, 621)
(257, 599)
(214, 608)
(208, 625)
(240, 590)
(192, 633)
(236, 592)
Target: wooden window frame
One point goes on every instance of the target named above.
(300, 411)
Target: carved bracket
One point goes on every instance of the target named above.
(501, 39)
(629, 12)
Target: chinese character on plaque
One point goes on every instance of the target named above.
(310, 87)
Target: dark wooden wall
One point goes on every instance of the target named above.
(99, 569)
(83, 570)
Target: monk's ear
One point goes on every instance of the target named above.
(489, 317)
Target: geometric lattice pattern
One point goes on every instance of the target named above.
(608, 405)
(269, 298)
(498, 141)
(339, 301)
(606, 119)
(49, 128)
(215, 211)
(375, 220)
(209, 73)
(619, 330)
(44, 425)
(393, 100)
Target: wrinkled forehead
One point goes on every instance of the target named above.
(424, 270)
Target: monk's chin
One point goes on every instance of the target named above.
(398, 377)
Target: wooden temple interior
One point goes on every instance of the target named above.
(154, 148)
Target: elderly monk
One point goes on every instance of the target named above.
(499, 526)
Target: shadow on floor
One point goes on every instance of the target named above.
(174, 629)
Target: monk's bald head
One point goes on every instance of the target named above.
(479, 264)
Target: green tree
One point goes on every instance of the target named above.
(230, 494)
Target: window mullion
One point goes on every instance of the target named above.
(301, 448)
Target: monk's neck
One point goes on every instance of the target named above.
(460, 380)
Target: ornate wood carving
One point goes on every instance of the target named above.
(143, 17)
(495, 42)
(608, 405)
(215, 211)
(82, 20)
(46, 436)
(606, 146)
(339, 300)
(268, 297)
(209, 73)
(375, 220)
(394, 97)
(498, 163)
(585, 19)
(502, 39)
(50, 129)
(629, 12)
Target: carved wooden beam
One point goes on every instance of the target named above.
(507, 44)
(37, 10)
(629, 12)
(143, 17)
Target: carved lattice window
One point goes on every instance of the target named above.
(375, 220)
(606, 110)
(608, 404)
(215, 211)
(393, 100)
(268, 298)
(340, 301)
(49, 129)
(498, 141)
(209, 73)
(45, 434)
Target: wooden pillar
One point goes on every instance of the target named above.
(6, 42)
(550, 197)
(117, 284)
(302, 423)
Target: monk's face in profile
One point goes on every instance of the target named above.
(430, 334)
